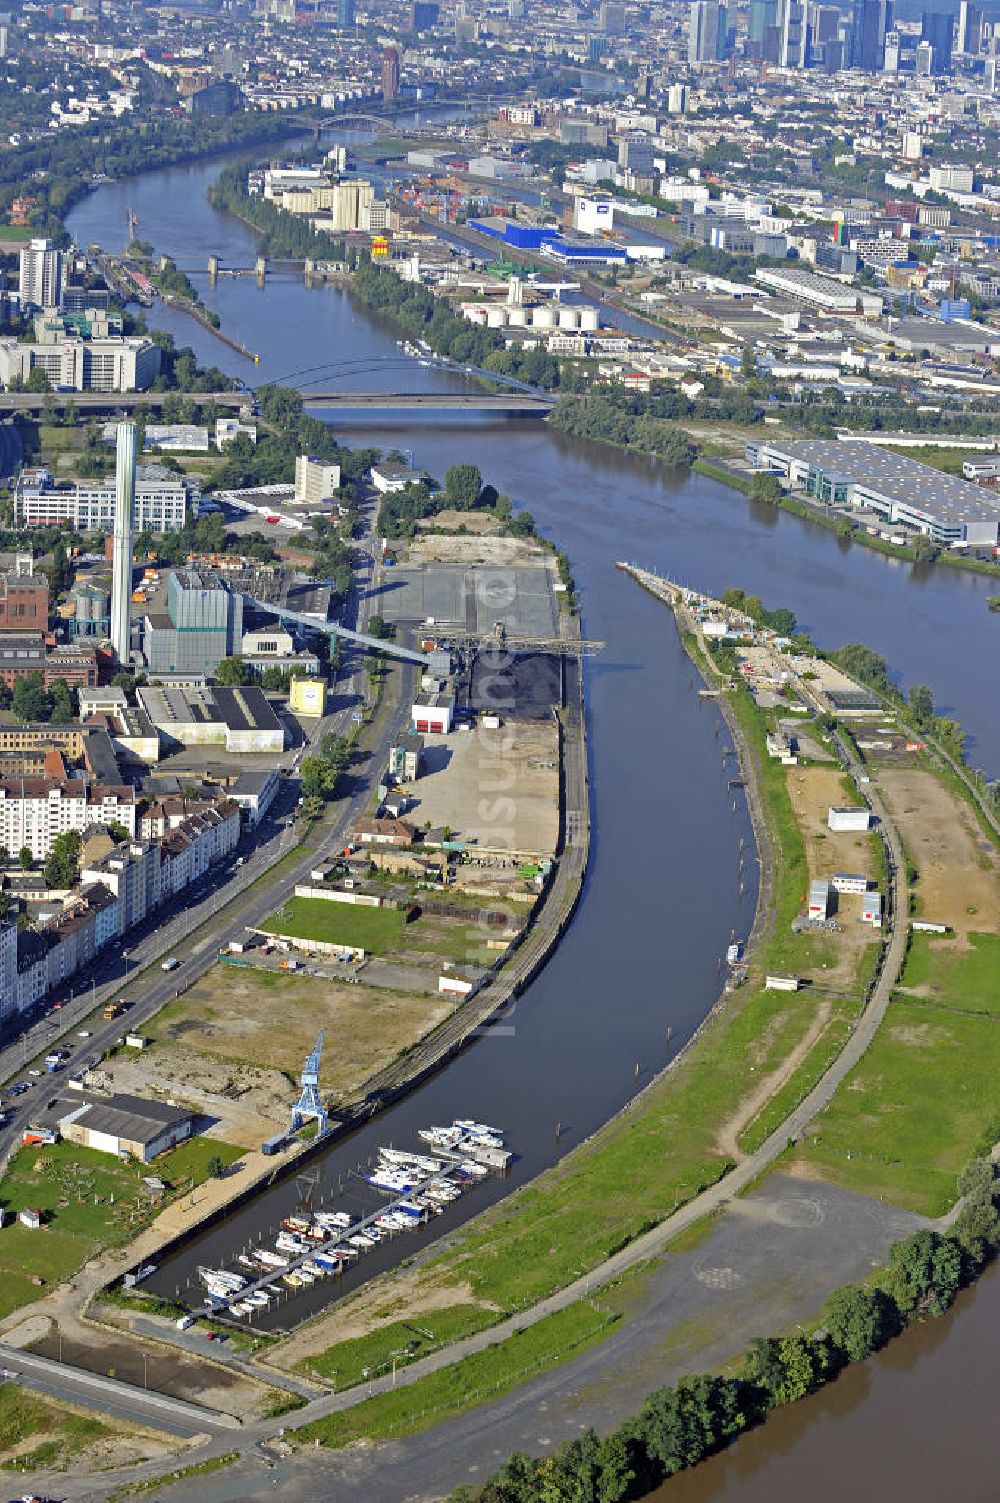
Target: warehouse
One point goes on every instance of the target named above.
(120, 1124)
(241, 720)
(807, 287)
(895, 489)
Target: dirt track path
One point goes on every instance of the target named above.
(727, 1141)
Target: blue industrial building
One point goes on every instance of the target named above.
(521, 236)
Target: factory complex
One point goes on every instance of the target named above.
(890, 489)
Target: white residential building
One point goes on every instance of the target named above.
(8, 968)
(315, 479)
(33, 811)
(40, 275)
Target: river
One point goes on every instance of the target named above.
(662, 895)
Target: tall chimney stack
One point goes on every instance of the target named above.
(121, 567)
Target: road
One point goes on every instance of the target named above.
(195, 926)
(135, 1406)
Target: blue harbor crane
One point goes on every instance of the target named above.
(310, 1104)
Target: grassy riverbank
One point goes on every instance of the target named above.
(461, 1386)
(609, 1191)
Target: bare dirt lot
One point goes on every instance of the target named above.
(480, 524)
(224, 1035)
(497, 788)
(959, 870)
(813, 791)
(478, 550)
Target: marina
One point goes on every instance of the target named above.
(319, 1244)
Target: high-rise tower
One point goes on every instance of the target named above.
(121, 566)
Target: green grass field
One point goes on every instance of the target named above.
(373, 929)
(641, 1167)
(350, 1361)
(945, 972)
(815, 1065)
(922, 1102)
(464, 1384)
(24, 1417)
(90, 1201)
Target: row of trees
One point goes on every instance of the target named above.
(780, 619)
(323, 774)
(870, 668)
(283, 234)
(424, 316)
(679, 1426)
(601, 416)
(59, 165)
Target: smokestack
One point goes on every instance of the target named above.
(121, 567)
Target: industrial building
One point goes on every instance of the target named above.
(307, 696)
(193, 621)
(433, 713)
(819, 899)
(807, 287)
(241, 720)
(24, 602)
(894, 489)
(21, 655)
(120, 1124)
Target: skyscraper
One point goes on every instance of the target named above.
(40, 278)
(936, 30)
(793, 44)
(892, 50)
(763, 13)
(707, 29)
(390, 74)
(970, 28)
(870, 20)
(121, 559)
(345, 15)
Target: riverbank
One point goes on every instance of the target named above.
(578, 1213)
(717, 469)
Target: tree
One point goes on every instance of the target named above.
(25, 859)
(234, 672)
(921, 706)
(857, 1320)
(38, 380)
(62, 709)
(924, 1273)
(62, 864)
(766, 488)
(216, 1167)
(117, 832)
(462, 485)
(29, 700)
